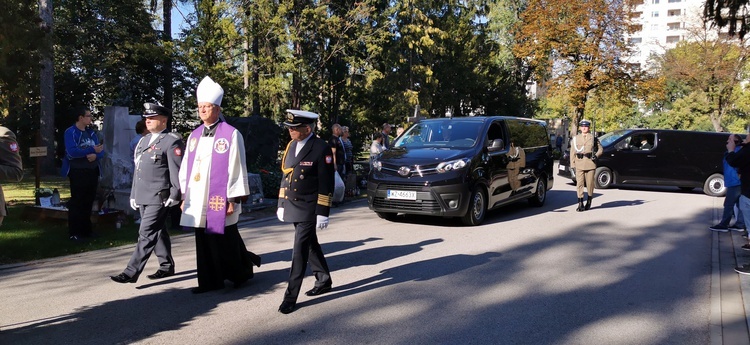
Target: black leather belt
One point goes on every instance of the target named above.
(581, 155)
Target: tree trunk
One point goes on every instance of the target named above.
(167, 86)
(47, 90)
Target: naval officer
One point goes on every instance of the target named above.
(584, 150)
(305, 201)
(155, 189)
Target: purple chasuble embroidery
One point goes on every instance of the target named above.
(216, 212)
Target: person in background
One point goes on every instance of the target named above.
(386, 132)
(155, 189)
(740, 159)
(399, 131)
(339, 152)
(213, 182)
(559, 142)
(81, 164)
(140, 132)
(732, 197)
(11, 168)
(305, 197)
(376, 147)
(348, 149)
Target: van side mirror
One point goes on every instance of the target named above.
(496, 145)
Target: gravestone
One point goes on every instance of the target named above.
(117, 166)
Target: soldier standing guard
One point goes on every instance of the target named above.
(155, 189)
(584, 150)
(305, 200)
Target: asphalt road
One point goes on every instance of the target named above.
(635, 269)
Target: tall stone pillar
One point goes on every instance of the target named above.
(117, 175)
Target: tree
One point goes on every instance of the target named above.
(728, 12)
(575, 45)
(705, 69)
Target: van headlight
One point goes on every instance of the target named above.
(453, 165)
(377, 165)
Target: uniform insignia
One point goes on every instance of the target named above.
(13, 147)
(306, 164)
(192, 144)
(174, 135)
(177, 151)
(329, 159)
(301, 177)
(324, 200)
(221, 145)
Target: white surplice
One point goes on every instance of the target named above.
(195, 193)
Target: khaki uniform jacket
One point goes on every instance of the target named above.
(11, 169)
(516, 158)
(583, 143)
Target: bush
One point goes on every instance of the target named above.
(271, 180)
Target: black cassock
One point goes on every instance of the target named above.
(223, 257)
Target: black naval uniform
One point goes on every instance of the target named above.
(305, 193)
(155, 180)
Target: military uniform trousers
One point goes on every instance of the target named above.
(152, 237)
(585, 177)
(306, 249)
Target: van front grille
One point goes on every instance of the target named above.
(407, 205)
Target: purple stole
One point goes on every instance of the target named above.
(216, 212)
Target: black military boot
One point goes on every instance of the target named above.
(588, 202)
(580, 205)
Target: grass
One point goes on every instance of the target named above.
(26, 240)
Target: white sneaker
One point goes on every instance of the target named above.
(736, 228)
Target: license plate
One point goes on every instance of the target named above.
(562, 167)
(402, 194)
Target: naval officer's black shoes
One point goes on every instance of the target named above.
(318, 290)
(161, 274)
(287, 307)
(580, 205)
(588, 203)
(123, 278)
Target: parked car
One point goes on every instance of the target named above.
(462, 167)
(684, 159)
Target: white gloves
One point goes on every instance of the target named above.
(322, 222)
(280, 213)
(170, 202)
(133, 205)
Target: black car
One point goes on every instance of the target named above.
(461, 167)
(684, 159)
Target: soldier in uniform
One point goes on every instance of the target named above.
(10, 164)
(305, 200)
(155, 189)
(584, 150)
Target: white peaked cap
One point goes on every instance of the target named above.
(209, 91)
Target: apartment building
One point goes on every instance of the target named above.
(660, 24)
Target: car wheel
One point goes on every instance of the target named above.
(714, 185)
(477, 207)
(386, 215)
(541, 193)
(603, 178)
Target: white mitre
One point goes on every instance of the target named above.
(209, 91)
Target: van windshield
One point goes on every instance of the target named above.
(441, 134)
(611, 137)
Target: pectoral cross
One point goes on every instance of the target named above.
(154, 157)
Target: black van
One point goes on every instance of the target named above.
(683, 159)
(461, 167)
